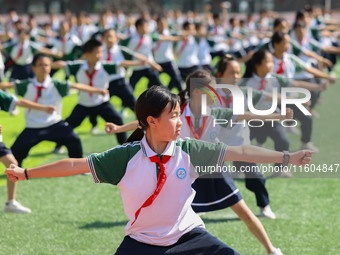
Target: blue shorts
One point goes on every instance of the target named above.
(196, 242)
(4, 150)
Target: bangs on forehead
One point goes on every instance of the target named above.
(174, 101)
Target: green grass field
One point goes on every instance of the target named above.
(71, 215)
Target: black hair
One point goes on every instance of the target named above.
(198, 25)
(39, 56)
(278, 22)
(216, 16)
(140, 22)
(255, 60)
(204, 77)
(186, 25)
(151, 102)
(231, 20)
(300, 14)
(91, 44)
(24, 30)
(222, 65)
(278, 37)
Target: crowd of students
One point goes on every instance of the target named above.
(110, 55)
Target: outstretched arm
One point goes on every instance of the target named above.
(111, 128)
(6, 85)
(250, 153)
(35, 106)
(64, 167)
(87, 88)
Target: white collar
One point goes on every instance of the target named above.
(169, 150)
(44, 84)
(97, 66)
(259, 79)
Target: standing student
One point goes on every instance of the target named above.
(229, 72)
(96, 73)
(163, 53)
(21, 54)
(141, 43)
(42, 126)
(187, 51)
(203, 47)
(118, 86)
(160, 222)
(7, 103)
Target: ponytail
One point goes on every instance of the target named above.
(255, 60)
(137, 135)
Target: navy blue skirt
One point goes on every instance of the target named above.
(215, 192)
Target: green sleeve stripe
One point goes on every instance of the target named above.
(110, 68)
(21, 87)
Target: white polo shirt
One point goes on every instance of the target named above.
(187, 53)
(29, 48)
(101, 78)
(7, 102)
(163, 50)
(203, 51)
(170, 215)
(84, 32)
(239, 134)
(272, 81)
(143, 47)
(291, 67)
(52, 93)
(204, 125)
(118, 54)
(67, 47)
(219, 37)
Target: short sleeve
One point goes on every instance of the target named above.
(72, 67)
(7, 102)
(21, 87)
(110, 166)
(296, 49)
(127, 53)
(283, 81)
(35, 47)
(204, 154)
(63, 87)
(315, 45)
(299, 64)
(124, 42)
(155, 37)
(110, 68)
(258, 96)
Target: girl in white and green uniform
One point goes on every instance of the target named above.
(154, 171)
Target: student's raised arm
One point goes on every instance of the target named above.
(58, 64)
(35, 106)
(6, 85)
(87, 88)
(64, 167)
(250, 153)
(111, 128)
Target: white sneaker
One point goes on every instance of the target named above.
(15, 207)
(94, 130)
(309, 146)
(267, 212)
(58, 150)
(277, 251)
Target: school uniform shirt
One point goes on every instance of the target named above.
(170, 215)
(51, 93)
(239, 134)
(116, 55)
(21, 54)
(162, 50)
(203, 51)
(218, 36)
(69, 45)
(7, 102)
(271, 81)
(186, 52)
(100, 79)
(202, 127)
(141, 45)
(84, 32)
(292, 66)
